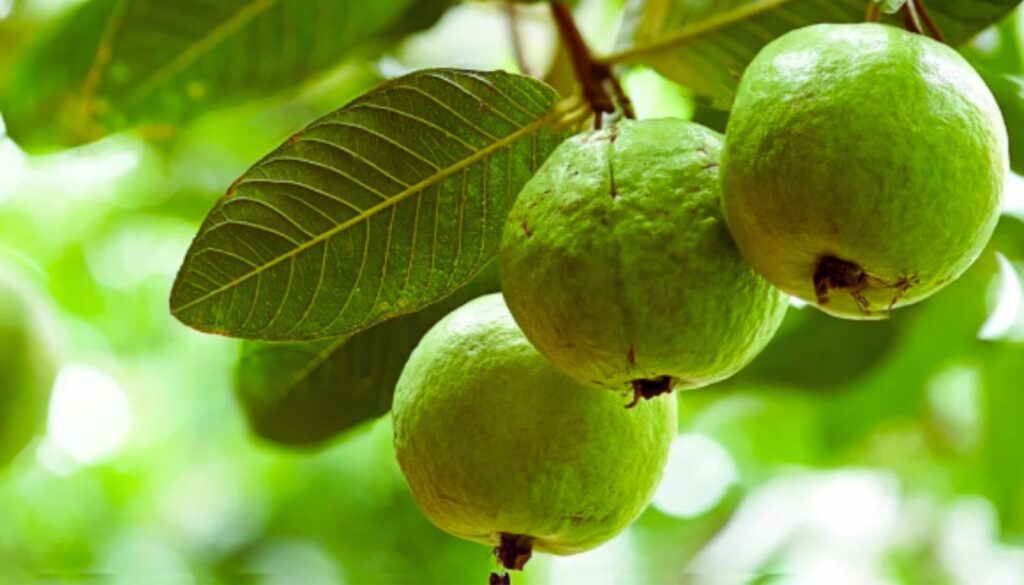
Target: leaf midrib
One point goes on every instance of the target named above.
(383, 205)
(97, 66)
(687, 33)
(315, 363)
(193, 51)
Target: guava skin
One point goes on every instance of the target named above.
(863, 159)
(618, 266)
(27, 368)
(495, 440)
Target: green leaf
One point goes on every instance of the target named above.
(820, 353)
(114, 64)
(890, 6)
(376, 210)
(707, 45)
(933, 334)
(306, 393)
(1004, 443)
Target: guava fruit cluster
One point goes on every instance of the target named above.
(27, 366)
(862, 170)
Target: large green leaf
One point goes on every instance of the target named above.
(303, 394)
(820, 353)
(118, 63)
(373, 211)
(707, 45)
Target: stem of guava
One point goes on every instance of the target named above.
(933, 28)
(917, 19)
(601, 88)
(910, 20)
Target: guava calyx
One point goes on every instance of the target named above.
(514, 550)
(647, 388)
(833, 273)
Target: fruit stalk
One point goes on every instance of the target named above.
(926, 18)
(595, 78)
(911, 21)
(917, 19)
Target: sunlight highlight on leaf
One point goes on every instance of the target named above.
(1005, 316)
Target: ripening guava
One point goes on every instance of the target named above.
(27, 367)
(617, 263)
(500, 447)
(863, 166)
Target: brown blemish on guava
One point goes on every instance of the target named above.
(578, 519)
(503, 579)
(648, 388)
(631, 355)
(612, 187)
(526, 228)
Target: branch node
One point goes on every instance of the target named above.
(601, 88)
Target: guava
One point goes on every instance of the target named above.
(500, 447)
(618, 266)
(27, 366)
(863, 166)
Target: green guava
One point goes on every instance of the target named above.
(863, 166)
(27, 367)
(618, 266)
(501, 448)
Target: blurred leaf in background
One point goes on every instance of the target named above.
(707, 45)
(125, 63)
(303, 394)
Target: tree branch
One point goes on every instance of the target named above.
(928, 22)
(601, 89)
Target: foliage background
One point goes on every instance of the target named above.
(848, 453)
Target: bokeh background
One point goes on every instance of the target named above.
(848, 453)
